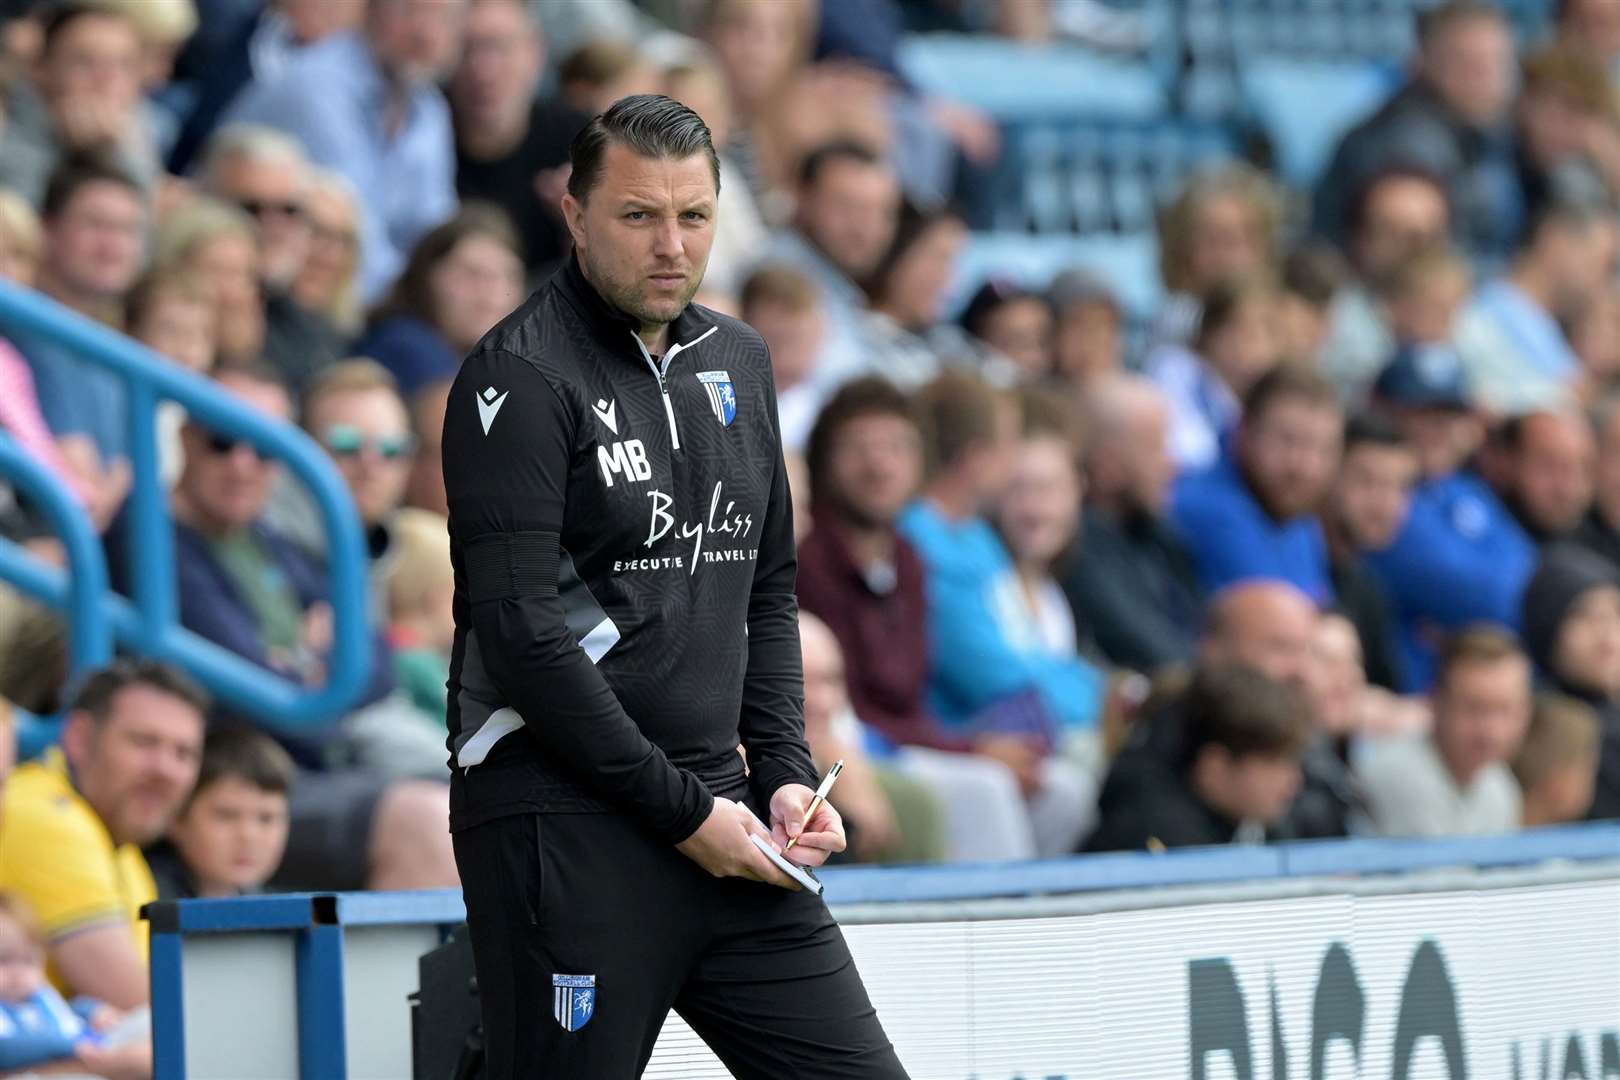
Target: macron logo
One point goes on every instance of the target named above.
(605, 411)
(489, 403)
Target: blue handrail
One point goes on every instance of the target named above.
(148, 622)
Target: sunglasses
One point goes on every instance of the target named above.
(345, 440)
(224, 446)
(264, 208)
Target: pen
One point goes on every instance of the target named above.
(819, 798)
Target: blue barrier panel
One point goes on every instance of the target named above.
(149, 624)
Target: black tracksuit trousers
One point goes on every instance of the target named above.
(587, 929)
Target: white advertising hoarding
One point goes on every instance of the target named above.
(1504, 983)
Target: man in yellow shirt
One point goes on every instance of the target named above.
(72, 824)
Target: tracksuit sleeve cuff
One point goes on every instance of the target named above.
(769, 775)
(694, 812)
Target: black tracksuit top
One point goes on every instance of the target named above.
(623, 548)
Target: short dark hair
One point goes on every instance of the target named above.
(651, 125)
(79, 170)
(1315, 273)
(1371, 428)
(232, 751)
(871, 395)
(60, 16)
(1479, 644)
(1244, 712)
(781, 284)
(957, 410)
(828, 154)
(1565, 210)
(1362, 197)
(1437, 20)
(97, 690)
(1289, 381)
(1221, 303)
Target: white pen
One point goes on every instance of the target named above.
(819, 798)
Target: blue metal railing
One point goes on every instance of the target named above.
(148, 622)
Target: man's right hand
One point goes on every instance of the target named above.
(1019, 754)
(722, 846)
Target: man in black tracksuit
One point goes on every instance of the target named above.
(623, 547)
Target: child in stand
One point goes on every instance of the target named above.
(172, 313)
(422, 626)
(229, 838)
(38, 1027)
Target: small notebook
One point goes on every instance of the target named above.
(801, 874)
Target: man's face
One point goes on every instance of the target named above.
(1088, 340)
(226, 481)
(369, 437)
(1586, 653)
(272, 192)
(1290, 454)
(1270, 628)
(825, 693)
(794, 337)
(850, 213)
(1251, 787)
(1553, 471)
(1444, 438)
(1403, 215)
(1581, 258)
(1470, 65)
(1021, 330)
(644, 232)
(1594, 25)
(95, 243)
(1373, 493)
(1607, 491)
(95, 62)
(137, 765)
(1150, 470)
(1481, 713)
(875, 467)
(233, 834)
(417, 39)
(500, 63)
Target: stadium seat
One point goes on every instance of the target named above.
(1011, 81)
(1305, 106)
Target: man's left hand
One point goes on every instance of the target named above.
(821, 836)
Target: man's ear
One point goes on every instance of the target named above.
(78, 732)
(574, 217)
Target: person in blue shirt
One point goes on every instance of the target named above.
(1253, 514)
(1460, 557)
(95, 219)
(366, 105)
(985, 673)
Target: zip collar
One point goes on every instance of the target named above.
(610, 323)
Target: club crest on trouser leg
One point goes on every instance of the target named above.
(573, 1000)
(722, 396)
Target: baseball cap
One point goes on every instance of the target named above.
(1424, 377)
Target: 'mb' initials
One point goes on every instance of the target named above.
(627, 459)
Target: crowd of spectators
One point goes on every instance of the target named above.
(1327, 544)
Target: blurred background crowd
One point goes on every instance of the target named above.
(1203, 415)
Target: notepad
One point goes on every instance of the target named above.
(801, 874)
